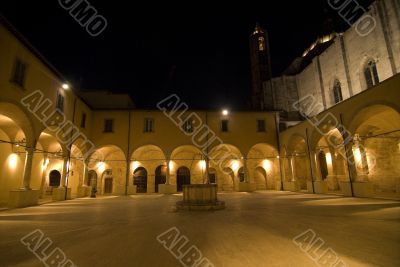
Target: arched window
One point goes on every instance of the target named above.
(261, 43)
(337, 92)
(54, 178)
(371, 74)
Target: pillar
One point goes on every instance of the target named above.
(293, 168)
(45, 158)
(85, 175)
(168, 172)
(64, 173)
(28, 168)
(246, 174)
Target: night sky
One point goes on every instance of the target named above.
(197, 49)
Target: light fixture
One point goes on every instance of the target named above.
(277, 157)
(101, 166)
(203, 164)
(357, 154)
(225, 112)
(170, 165)
(135, 164)
(328, 157)
(65, 86)
(12, 161)
(267, 165)
(235, 165)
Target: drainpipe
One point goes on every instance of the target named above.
(310, 158)
(128, 159)
(279, 147)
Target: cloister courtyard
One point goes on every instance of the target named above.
(255, 229)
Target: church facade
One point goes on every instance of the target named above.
(58, 143)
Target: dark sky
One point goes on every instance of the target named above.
(196, 49)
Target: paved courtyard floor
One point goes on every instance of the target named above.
(256, 229)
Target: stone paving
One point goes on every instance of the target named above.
(256, 229)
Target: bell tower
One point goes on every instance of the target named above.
(260, 68)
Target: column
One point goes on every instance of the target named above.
(28, 168)
(293, 167)
(44, 169)
(85, 175)
(168, 172)
(246, 174)
(64, 173)
(207, 169)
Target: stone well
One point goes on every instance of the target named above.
(200, 197)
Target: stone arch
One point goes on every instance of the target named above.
(140, 179)
(109, 157)
(50, 155)
(376, 148)
(12, 157)
(329, 160)
(264, 156)
(260, 179)
(297, 164)
(190, 157)
(183, 177)
(150, 157)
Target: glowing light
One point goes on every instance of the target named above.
(225, 112)
(328, 157)
(101, 166)
(135, 165)
(267, 165)
(202, 164)
(171, 165)
(65, 86)
(45, 164)
(235, 165)
(12, 161)
(357, 154)
(277, 157)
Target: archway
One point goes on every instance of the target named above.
(376, 148)
(160, 176)
(54, 178)
(191, 158)
(150, 157)
(260, 179)
(12, 156)
(49, 157)
(263, 166)
(212, 175)
(113, 159)
(330, 160)
(140, 180)
(227, 181)
(182, 178)
(92, 177)
(108, 185)
(297, 163)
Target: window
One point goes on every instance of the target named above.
(19, 73)
(60, 102)
(261, 43)
(224, 125)
(337, 92)
(188, 126)
(148, 125)
(108, 125)
(83, 120)
(371, 74)
(260, 125)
